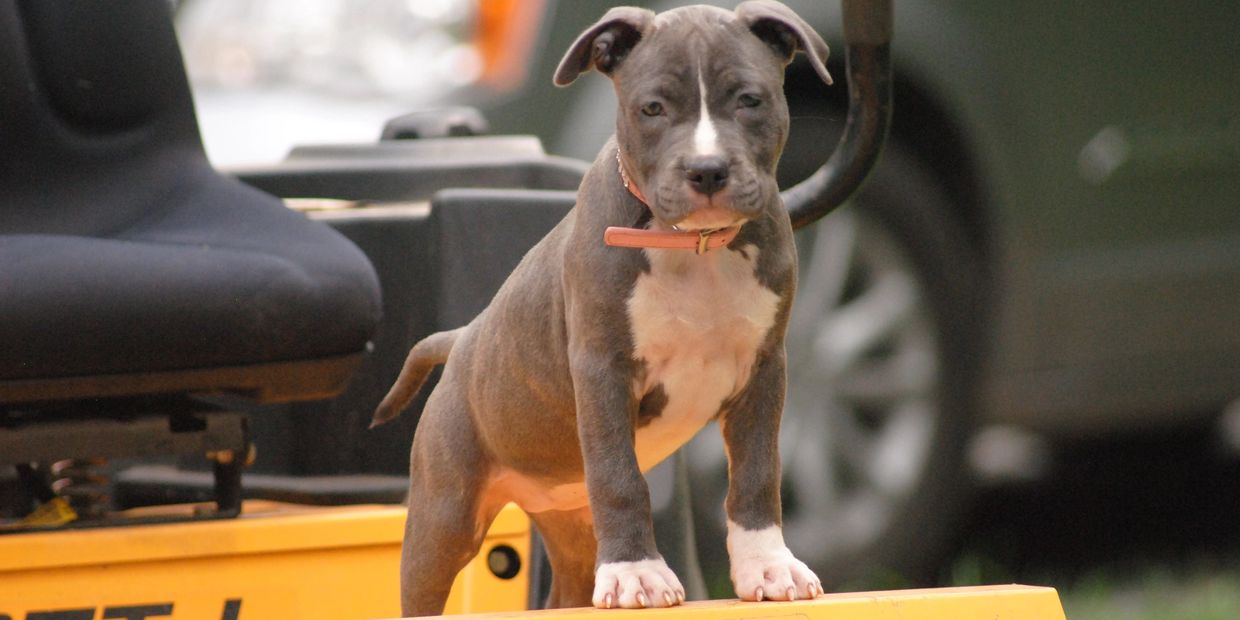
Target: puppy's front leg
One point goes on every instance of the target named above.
(762, 565)
(629, 570)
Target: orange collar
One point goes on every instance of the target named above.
(701, 241)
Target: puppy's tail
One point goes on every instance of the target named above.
(424, 357)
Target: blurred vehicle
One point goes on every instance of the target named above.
(1051, 243)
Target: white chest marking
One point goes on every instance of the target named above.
(698, 322)
(705, 138)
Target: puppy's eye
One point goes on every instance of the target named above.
(653, 108)
(747, 100)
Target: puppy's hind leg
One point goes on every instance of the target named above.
(571, 548)
(449, 507)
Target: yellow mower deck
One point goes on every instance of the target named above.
(286, 561)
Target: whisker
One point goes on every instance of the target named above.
(813, 117)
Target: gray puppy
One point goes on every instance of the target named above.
(593, 363)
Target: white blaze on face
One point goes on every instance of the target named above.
(705, 139)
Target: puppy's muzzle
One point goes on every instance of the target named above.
(707, 174)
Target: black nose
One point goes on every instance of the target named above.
(707, 173)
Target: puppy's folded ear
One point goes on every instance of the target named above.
(605, 44)
(785, 32)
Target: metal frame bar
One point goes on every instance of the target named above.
(867, 36)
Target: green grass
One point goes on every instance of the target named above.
(1189, 590)
(1156, 594)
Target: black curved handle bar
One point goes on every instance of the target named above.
(867, 39)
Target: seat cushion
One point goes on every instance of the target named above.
(218, 275)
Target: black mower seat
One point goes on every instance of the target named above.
(127, 264)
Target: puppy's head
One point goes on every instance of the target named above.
(702, 117)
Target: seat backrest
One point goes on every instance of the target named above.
(88, 89)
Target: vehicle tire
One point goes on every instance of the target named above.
(882, 353)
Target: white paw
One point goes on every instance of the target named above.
(634, 585)
(764, 569)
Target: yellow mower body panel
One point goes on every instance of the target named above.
(286, 561)
(275, 561)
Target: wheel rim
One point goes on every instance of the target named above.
(862, 404)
